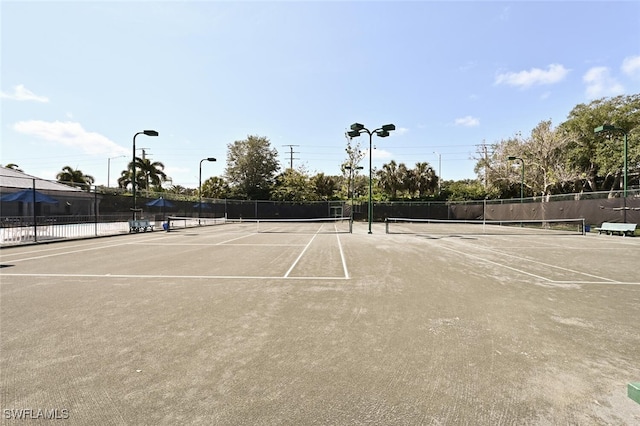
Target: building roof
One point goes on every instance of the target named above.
(11, 178)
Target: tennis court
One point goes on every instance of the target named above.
(237, 324)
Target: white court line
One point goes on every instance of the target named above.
(160, 277)
(526, 260)
(540, 277)
(225, 244)
(65, 253)
(300, 256)
(344, 262)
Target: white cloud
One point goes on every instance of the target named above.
(21, 93)
(631, 66)
(467, 121)
(70, 134)
(400, 131)
(377, 154)
(535, 76)
(600, 83)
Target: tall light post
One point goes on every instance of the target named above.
(356, 130)
(352, 184)
(511, 158)
(439, 172)
(200, 184)
(608, 128)
(109, 168)
(133, 180)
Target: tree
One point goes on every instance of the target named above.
(423, 180)
(324, 186)
(181, 190)
(215, 187)
(597, 159)
(76, 178)
(293, 185)
(390, 178)
(13, 166)
(354, 157)
(251, 167)
(153, 173)
(149, 175)
(462, 190)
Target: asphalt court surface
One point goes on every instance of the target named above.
(217, 326)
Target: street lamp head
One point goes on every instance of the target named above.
(511, 158)
(382, 133)
(604, 128)
(389, 127)
(353, 133)
(357, 127)
(211, 159)
(150, 132)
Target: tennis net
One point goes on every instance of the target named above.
(176, 223)
(484, 227)
(331, 225)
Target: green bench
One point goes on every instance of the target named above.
(633, 390)
(140, 225)
(623, 229)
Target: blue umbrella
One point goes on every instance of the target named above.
(160, 202)
(26, 196)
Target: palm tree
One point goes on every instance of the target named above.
(153, 173)
(147, 173)
(389, 179)
(425, 179)
(72, 177)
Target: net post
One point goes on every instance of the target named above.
(168, 223)
(386, 225)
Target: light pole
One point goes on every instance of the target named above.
(200, 184)
(511, 158)
(439, 172)
(356, 130)
(352, 184)
(133, 180)
(608, 128)
(109, 168)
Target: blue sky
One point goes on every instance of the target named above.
(79, 79)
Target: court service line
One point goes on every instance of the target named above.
(300, 256)
(160, 277)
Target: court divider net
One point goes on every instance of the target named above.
(324, 225)
(395, 225)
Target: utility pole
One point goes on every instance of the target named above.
(486, 163)
(291, 152)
